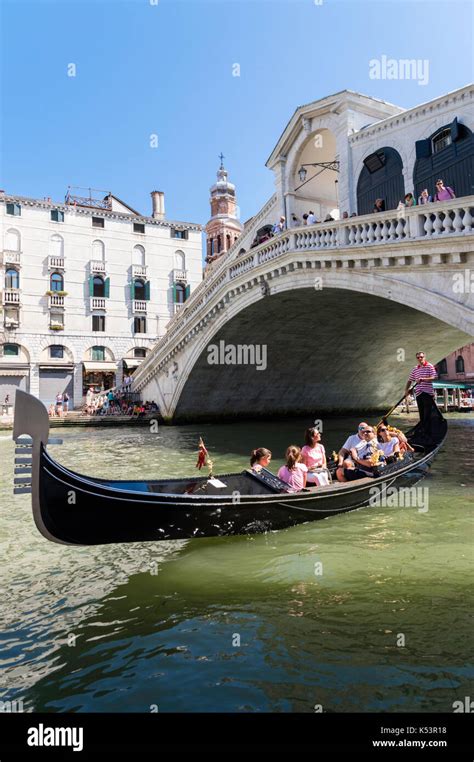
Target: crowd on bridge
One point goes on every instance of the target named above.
(117, 402)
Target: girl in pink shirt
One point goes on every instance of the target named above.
(313, 456)
(294, 473)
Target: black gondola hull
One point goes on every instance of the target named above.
(82, 511)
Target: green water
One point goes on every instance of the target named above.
(314, 615)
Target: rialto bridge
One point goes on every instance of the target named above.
(340, 309)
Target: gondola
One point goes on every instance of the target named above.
(81, 510)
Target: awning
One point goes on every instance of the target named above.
(451, 385)
(108, 367)
(132, 362)
(59, 366)
(14, 371)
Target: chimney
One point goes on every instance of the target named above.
(158, 204)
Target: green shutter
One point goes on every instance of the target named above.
(91, 285)
(174, 293)
(107, 288)
(147, 290)
(187, 292)
(132, 290)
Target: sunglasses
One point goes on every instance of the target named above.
(383, 429)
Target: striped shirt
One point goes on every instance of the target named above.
(421, 372)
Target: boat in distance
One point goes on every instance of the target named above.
(75, 509)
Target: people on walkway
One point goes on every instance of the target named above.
(59, 404)
(379, 205)
(294, 472)
(424, 197)
(443, 192)
(409, 199)
(280, 226)
(423, 376)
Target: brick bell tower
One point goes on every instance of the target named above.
(223, 228)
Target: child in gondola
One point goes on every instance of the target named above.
(260, 458)
(294, 472)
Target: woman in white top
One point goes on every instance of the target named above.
(389, 445)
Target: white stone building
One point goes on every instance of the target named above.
(338, 154)
(88, 285)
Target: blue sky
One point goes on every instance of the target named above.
(167, 69)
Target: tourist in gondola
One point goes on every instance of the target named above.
(388, 443)
(423, 375)
(345, 451)
(313, 455)
(362, 457)
(260, 458)
(294, 472)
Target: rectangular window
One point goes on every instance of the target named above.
(56, 352)
(14, 209)
(183, 234)
(98, 222)
(98, 354)
(138, 227)
(57, 318)
(57, 215)
(11, 318)
(98, 323)
(139, 325)
(10, 350)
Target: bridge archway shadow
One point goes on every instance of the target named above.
(333, 351)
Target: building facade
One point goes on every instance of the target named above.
(338, 154)
(88, 286)
(458, 366)
(224, 227)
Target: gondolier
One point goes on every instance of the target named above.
(423, 375)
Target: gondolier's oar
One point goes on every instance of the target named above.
(387, 415)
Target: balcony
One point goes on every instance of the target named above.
(97, 266)
(177, 306)
(55, 301)
(11, 257)
(139, 305)
(180, 276)
(56, 263)
(11, 296)
(138, 271)
(97, 303)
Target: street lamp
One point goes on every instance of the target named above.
(302, 174)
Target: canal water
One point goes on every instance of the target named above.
(368, 611)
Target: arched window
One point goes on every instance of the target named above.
(448, 153)
(12, 240)
(56, 246)
(139, 352)
(139, 289)
(12, 278)
(219, 244)
(180, 290)
(98, 251)
(138, 255)
(442, 368)
(98, 286)
(180, 260)
(11, 350)
(98, 354)
(228, 243)
(56, 282)
(459, 364)
(380, 177)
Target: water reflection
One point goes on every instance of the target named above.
(156, 624)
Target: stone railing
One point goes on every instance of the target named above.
(11, 296)
(139, 305)
(97, 266)
(97, 303)
(11, 257)
(138, 271)
(56, 301)
(56, 263)
(430, 222)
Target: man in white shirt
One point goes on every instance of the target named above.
(345, 451)
(311, 218)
